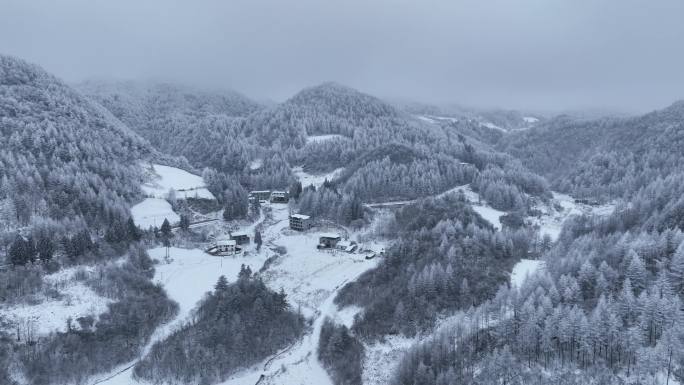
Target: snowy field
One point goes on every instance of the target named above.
(323, 138)
(165, 178)
(315, 180)
(481, 207)
(186, 275)
(74, 300)
(551, 221)
(530, 119)
(311, 278)
(492, 126)
(382, 357)
(151, 212)
(436, 119)
(523, 269)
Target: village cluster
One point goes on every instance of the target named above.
(236, 242)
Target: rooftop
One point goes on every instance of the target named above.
(330, 235)
(300, 216)
(225, 242)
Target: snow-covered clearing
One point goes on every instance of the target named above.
(71, 299)
(551, 220)
(315, 180)
(382, 357)
(487, 212)
(436, 119)
(165, 178)
(187, 275)
(256, 164)
(530, 119)
(523, 269)
(311, 279)
(323, 138)
(151, 212)
(492, 126)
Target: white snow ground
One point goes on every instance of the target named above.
(530, 119)
(487, 212)
(523, 269)
(551, 221)
(436, 119)
(492, 126)
(151, 212)
(382, 357)
(164, 178)
(315, 180)
(323, 138)
(50, 314)
(310, 278)
(187, 275)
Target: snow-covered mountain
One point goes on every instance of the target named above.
(63, 157)
(603, 159)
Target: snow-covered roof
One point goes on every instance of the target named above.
(260, 192)
(226, 242)
(279, 193)
(239, 234)
(300, 216)
(344, 244)
(330, 235)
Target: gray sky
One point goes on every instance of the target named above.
(531, 54)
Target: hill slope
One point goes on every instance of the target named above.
(63, 157)
(605, 158)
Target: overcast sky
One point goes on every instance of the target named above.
(531, 54)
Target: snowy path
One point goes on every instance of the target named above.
(311, 279)
(186, 277)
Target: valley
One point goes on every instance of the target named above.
(156, 233)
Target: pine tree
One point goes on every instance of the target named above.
(245, 272)
(184, 222)
(636, 271)
(257, 239)
(221, 285)
(18, 252)
(46, 248)
(133, 230)
(166, 228)
(677, 268)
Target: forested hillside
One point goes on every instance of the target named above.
(446, 257)
(66, 163)
(607, 307)
(603, 159)
(236, 325)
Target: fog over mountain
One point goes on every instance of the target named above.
(358, 193)
(535, 55)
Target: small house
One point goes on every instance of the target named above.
(261, 195)
(300, 222)
(346, 246)
(328, 240)
(240, 238)
(223, 247)
(279, 197)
